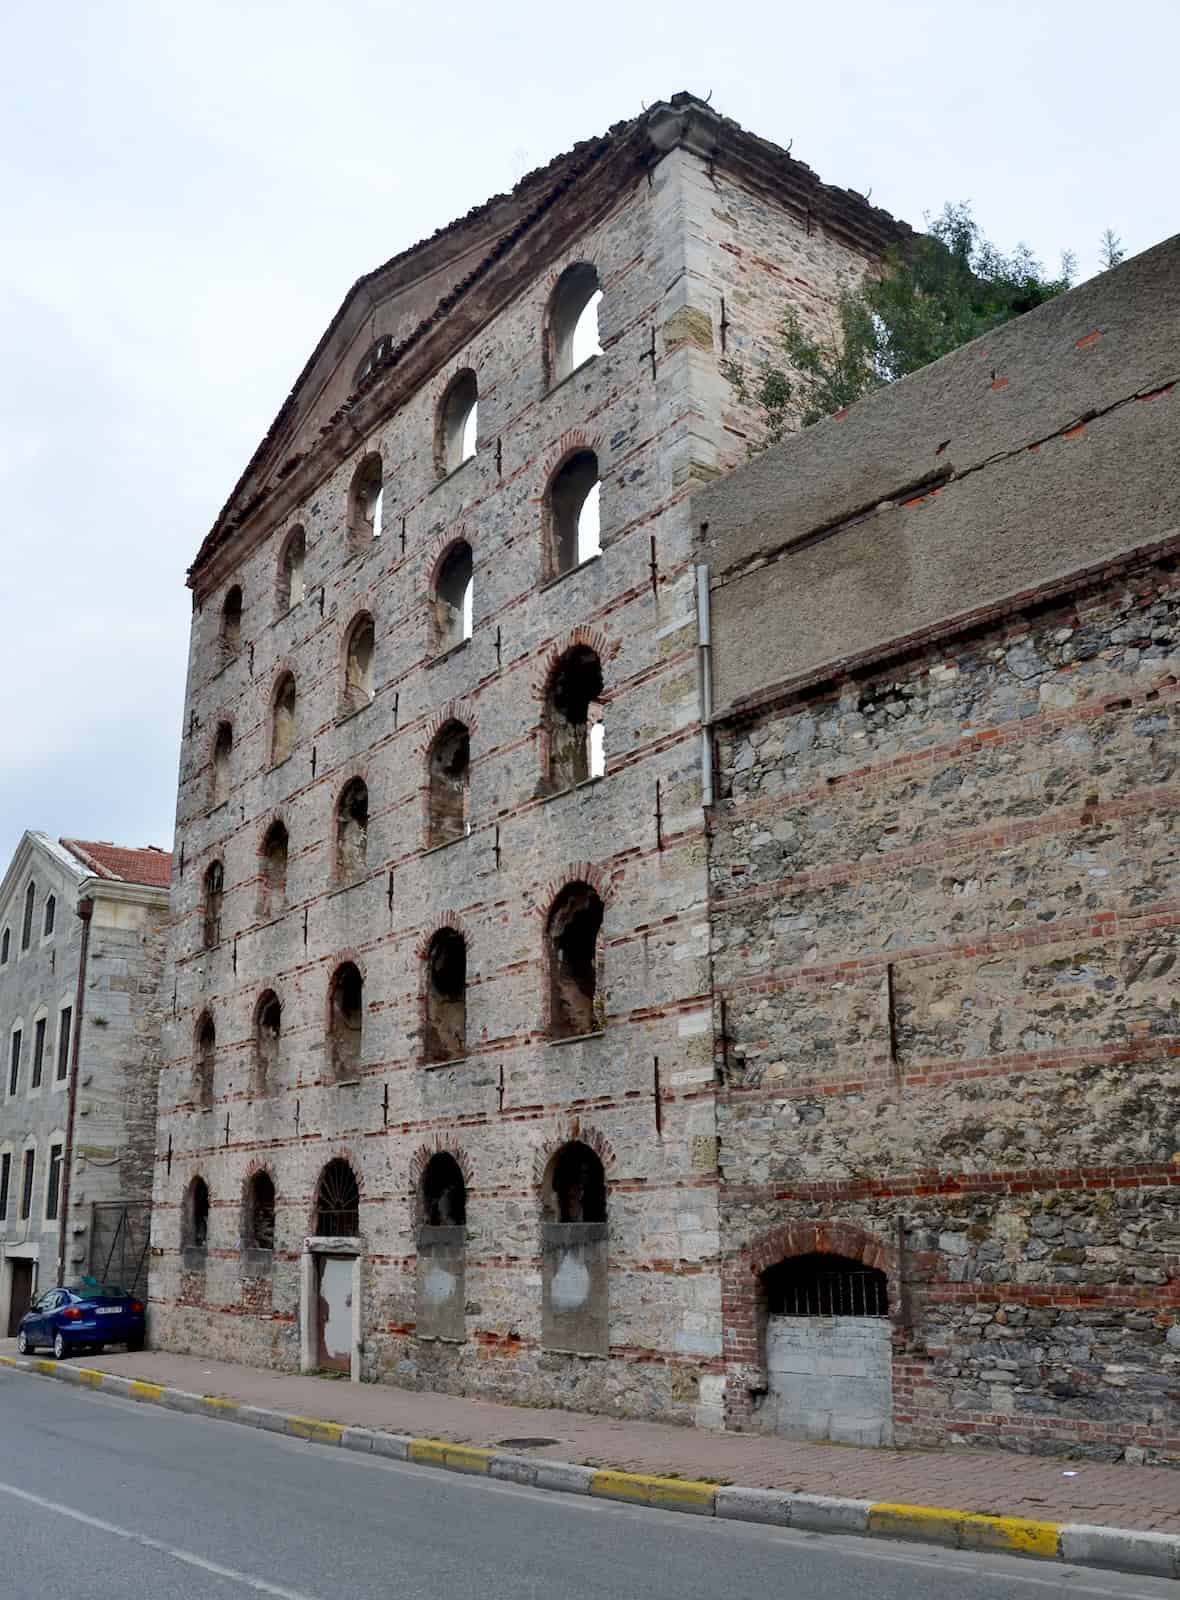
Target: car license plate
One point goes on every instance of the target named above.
(108, 1311)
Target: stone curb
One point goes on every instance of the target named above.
(1114, 1549)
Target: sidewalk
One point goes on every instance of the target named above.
(987, 1482)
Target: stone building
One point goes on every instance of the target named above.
(81, 953)
(439, 1100)
(945, 895)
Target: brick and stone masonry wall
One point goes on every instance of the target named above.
(514, 1099)
(945, 890)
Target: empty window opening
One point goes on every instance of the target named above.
(825, 1286)
(358, 665)
(64, 1024)
(573, 320)
(577, 749)
(443, 1193)
(259, 1230)
(38, 1051)
(26, 1193)
(338, 1202)
(26, 927)
(290, 578)
(214, 897)
(231, 624)
(352, 830)
(268, 1026)
(196, 1215)
(223, 746)
(53, 1183)
(14, 1061)
(573, 929)
(5, 946)
(576, 1187)
(457, 422)
(373, 357)
(346, 1024)
(574, 533)
(445, 1032)
(275, 850)
(366, 502)
(454, 595)
(282, 720)
(50, 914)
(204, 1062)
(5, 1182)
(448, 778)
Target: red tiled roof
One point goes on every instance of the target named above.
(148, 866)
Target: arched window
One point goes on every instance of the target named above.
(358, 664)
(273, 883)
(50, 914)
(366, 499)
(223, 746)
(5, 946)
(352, 830)
(282, 719)
(231, 623)
(214, 897)
(346, 1022)
(573, 321)
(572, 937)
(258, 1220)
(457, 422)
(444, 1035)
(195, 1221)
(454, 595)
(572, 514)
(575, 728)
(289, 584)
(442, 1194)
(268, 1026)
(374, 356)
(575, 1186)
(338, 1202)
(448, 774)
(204, 1057)
(26, 927)
(821, 1285)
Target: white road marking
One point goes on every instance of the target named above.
(259, 1585)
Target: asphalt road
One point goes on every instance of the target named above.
(104, 1498)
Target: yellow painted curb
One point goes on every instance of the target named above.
(648, 1489)
(218, 1402)
(46, 1368)
(461, 1457)
(964, 1530)
(8, 1361)
(146, 1391)
(315, 1430)
(90, 1376)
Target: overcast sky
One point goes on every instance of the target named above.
(189, 190)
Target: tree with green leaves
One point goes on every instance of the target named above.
(943, 288)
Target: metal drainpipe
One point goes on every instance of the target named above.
(705, 665)
(85, 909)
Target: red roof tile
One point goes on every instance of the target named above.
(148, 866)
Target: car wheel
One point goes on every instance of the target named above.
(22, 1343)
(60, 1348)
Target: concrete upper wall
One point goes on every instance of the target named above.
(1027, 456)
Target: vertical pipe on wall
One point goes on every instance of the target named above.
(705, 671)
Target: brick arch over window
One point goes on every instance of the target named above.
(440, 1145)
(574, 1132)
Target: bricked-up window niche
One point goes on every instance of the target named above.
(204, 1061)
(346, 1022)
(457, 423)
(273, 879)
(50, 915)
(821, 1285)
(195, 1216)
(571, 935)
(289, 584)
(454, 598)
(442, 1193)
(268, 1028)
(219, 784)
(282, 719)
(258, 1213)
(338, 1202)
(572, 332)
(574, 1246)
(231, 624)
(448, 775)
(366, 503)
(26, 927)
(444, 1032)
(358, 665)
(214, 897)
(574, 720)
(575, 1185)
(572, 515)
(352, 830)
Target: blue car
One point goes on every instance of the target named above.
(84, 1313)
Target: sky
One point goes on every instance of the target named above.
(188, 191)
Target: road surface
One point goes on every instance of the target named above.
(107, 1499)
